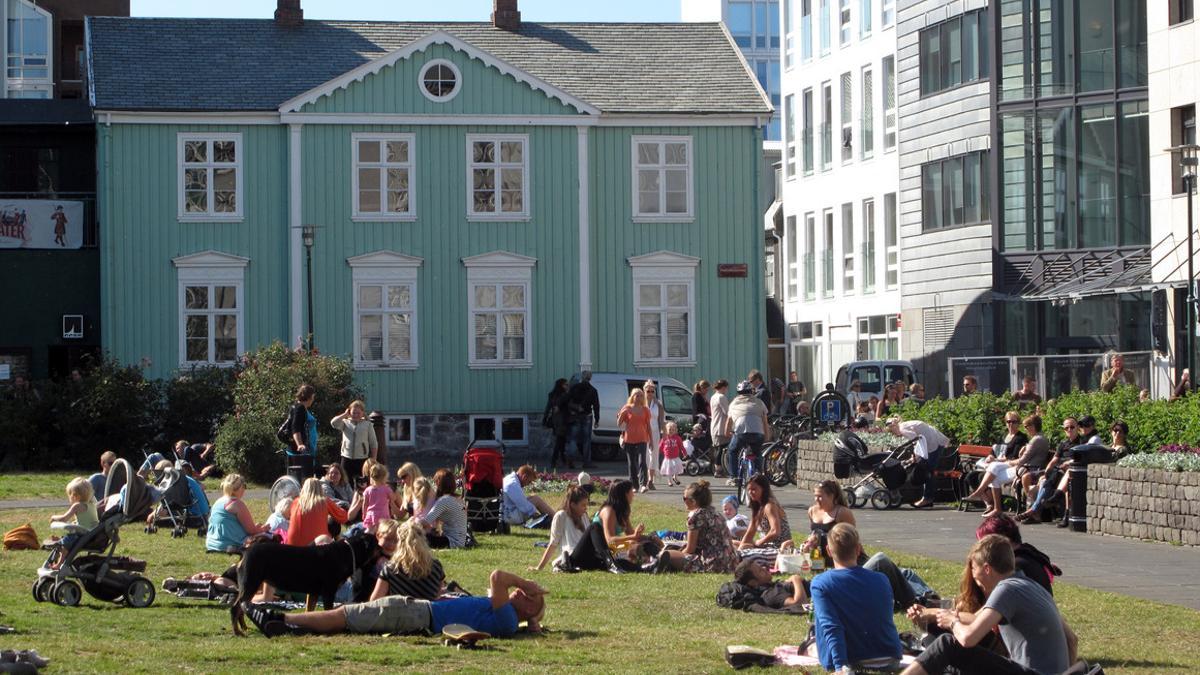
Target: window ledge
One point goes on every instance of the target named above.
(369, 366)
(373, 218)
(665, 363)
(210, 218)
(502, 218)
(206, 364)
(665, 219)
(507, 365)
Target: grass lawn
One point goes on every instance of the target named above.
(54, 485)
(598, 622)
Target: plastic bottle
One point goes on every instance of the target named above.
(818, 561)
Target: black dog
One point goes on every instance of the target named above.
(315, 570)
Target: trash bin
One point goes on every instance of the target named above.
(1081, 457)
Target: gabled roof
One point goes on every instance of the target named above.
(499, 259)
(211, 258)
(435, 38)
(661, 259)
(384, 259)
(257, 65)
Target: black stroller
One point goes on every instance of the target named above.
(88, 561)
(885, 482)
(175, 510)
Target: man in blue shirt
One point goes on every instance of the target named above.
(852, 607)
(510, 600)
(518, 507)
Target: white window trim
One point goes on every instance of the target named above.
(412, 426)
(497, 419)
(239, 170)
(210, 268)
(45, 84)
(380, 269)
(499, 267)
(664, 267)
(663, 217)
(383, 216)
(500, 216)
(458, 80)
(884, 7)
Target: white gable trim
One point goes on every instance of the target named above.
(436, 37)
(210, 259)
(497, 259)
(662, 259)
(389, 259)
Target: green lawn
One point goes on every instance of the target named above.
(54, 485)
(598, 622)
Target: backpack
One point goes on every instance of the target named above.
(21, 538)
(733, 595)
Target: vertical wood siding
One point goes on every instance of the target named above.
(138, 193)
(395, 90)
(730, 319)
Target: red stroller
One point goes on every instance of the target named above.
(482, 479)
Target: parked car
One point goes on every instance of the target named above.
(614, 388)
(871, 375)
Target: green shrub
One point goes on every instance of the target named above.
(247, 445)
(264, 387)
(194, 403)
(979, 418)
(113, 407)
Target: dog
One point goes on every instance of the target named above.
(315, 570)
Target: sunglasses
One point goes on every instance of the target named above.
(1012, 421)
(1069, 426)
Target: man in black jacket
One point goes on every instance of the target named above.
(583, 411)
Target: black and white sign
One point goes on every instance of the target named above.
(72, 326)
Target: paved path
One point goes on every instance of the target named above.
(1154, 571)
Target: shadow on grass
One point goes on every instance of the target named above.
(568, 634)
(1113, 665)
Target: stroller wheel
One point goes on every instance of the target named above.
(178, 532)
(852, 499)
(200, 532)
(897, 500)
(150, 529)
(67, 593)
(139, 593)
(881, 499)
(42, 588)
(692, 468)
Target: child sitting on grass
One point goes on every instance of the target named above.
(82, 511)
(277, 522)
(736, 522)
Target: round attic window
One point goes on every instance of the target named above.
(440, 80)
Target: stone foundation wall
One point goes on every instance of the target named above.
(1144, 504)
(442, 439)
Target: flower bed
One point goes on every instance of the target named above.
(1168, 458)
(558, 482)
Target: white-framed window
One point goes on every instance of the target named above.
(508, 429)
(847, 249)
(810, 256)
(210, 176)
(866, 145)
(844, 22)
(806, 30)
(440, 80)
(792, 247)
(889, 103)
(847, 135)
(868, 246)
(826, 40)
(498, 297)
(789, 136)
(891, 240)
(385, 310)
(662, 178)
(888, 12)
(211, 304)
(789, 35)
(865, 17)
(383, 176)
(498, 173)
(401, 431)
(28, 65)
(664, 294)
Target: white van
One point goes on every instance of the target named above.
(870, 375)
(613, 388)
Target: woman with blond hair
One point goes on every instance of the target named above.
(658, 423)
(412, 570)
(230, 522)
(634, 418)
(310, 514)
(406, 478)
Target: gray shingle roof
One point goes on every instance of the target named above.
(249, 64)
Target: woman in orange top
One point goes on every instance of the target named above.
(311, 513)
(634, 418)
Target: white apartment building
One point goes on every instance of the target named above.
(840, 266)
(1173, 62)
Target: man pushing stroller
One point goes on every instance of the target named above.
(926, 453)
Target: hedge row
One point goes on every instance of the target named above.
(979, 418)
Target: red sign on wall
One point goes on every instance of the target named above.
(732, 270)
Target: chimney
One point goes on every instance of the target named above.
(505, 15)
(288, 13)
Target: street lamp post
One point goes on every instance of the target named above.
(308, 235)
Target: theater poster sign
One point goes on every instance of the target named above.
(41, 223)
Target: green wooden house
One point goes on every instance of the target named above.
(491, 207)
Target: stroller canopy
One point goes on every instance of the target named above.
(136, 497)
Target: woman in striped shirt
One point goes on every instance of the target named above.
(412, 570)
(448, 511)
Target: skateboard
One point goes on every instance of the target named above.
(462, 636)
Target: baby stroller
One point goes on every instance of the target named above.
(175, 510)
(483, 478)
(700, 460)
(88, 561)
(885, 482)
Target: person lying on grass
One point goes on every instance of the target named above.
(510, 600)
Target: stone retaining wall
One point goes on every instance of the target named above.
(1144, 503)
(814, 462)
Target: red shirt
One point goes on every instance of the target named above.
(304, 528)
(671, 447)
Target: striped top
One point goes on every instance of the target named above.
(427, 588)
(452, 514)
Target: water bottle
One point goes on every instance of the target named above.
(818, 561)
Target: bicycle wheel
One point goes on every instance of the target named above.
(789, 466)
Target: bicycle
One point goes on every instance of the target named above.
(746, 471)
